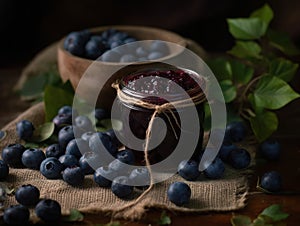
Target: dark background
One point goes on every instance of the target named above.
(28, 26)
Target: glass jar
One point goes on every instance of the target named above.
(156, 86)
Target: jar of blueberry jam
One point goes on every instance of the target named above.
(157, 87)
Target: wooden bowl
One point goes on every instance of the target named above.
(73, 67)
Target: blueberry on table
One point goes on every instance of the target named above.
(239, 158)
(4, 170)
(270, 149)
(140, 177)
(102, 142)
(54, 150)
(12, 155)
(236, 131)
(188, 169)
(68, 160)
(65, 110)
(61, 120)
(51, 168)
(65, 135)
(179, 193)
(100, 114)
(215, 170)
(87, 135)
(271, 181)
(119, 167)
(32, 158)
(84, 123)
(76, 147)
(27, 195)
(120, 188)
(225, 150)
(25, 129)
(126, 156)
(16, 215)
(103, 176)
(48, 210)
(84, 162)
(73, 175)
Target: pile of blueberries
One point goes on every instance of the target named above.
(103, 46)
(64, 159)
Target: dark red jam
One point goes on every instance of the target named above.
(158, 87)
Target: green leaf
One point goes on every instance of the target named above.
(282, 42)
(247, 28)
(34, 86)
(74, 216)
(240, 72)
(275, 213)
(43, 132)
(240, 220)
(164, 219)
(55, 98)
(264, 124)
(264, 13)
(221, 68)
(273, 93)
(31, 145)
(229, 90)
(246, 49)
(283, 68)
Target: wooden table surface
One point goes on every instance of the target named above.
(288, 165)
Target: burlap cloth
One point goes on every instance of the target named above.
(224, 194)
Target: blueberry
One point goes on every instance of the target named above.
(118, 36)
(73, 175)
(51, 168)
(140, 177)
(141, 52)
(271, 181)
(100, 114)
(68, 161)
(87, 135)
(225, 150)
(25, 129)
(54, 150)
(103, 176)
(48, 210)
(128, 58)
(94, 48)
(12, 155)
(188, 169)
(108, 33)
(215, 170)
(4, 170)
(179, 193)
(236, 131)
(113, 137)
(115, 44)
(155, 55)
(61, 120)
(75, 42)
(110, 56)
(65, 110)
(119, 167)
(129, 40)
(84, 123)
(32, 158)
(120, 188)
(15, 215)
(239, 158)
(27, 195)
(270, 149)
(65, 135)
(100, 141)
(76, 147)
(126, 156)
(84, 162)
(159, 46)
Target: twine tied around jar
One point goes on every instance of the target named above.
(158, 109)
